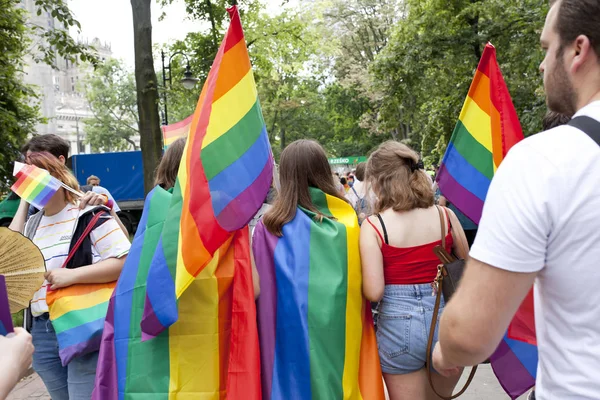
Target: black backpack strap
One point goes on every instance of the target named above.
(385, 236)
(83, 254)
(588, 125)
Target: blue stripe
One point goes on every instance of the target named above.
(160, 289)
(81, 333)
(59, 255)
(466, 174)
(234, 179)
(3, 331)
(123, 298)
(526, 353)
(291, 368)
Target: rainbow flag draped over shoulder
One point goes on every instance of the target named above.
(315, 327)
(176, 131)
(487, 128)
(34, 185)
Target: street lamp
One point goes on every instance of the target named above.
(188, 81)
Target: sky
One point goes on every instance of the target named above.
(111, 21)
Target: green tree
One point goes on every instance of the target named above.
(110, 92)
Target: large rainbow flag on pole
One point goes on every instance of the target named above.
(316, 330)
(488, 127)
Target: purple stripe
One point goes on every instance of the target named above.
(241, 210)
(151, 326)
(80, 349)
(512, 375)
(465, 201)
(263, 246)
(106, 372)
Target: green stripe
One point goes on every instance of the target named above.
(472, 151)
(54, 245)
(148, 363)
(327, 294)
(234, 143)
(38, 189)
(76, 318)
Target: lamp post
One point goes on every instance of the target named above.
(188, 81)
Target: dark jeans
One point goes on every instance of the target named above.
(73, 382)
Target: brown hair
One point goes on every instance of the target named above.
(553, 119)
(578, 17)
(398, 179)
(57, 169)
(166, 173)
(92, 178)
(303, 164)
(51, 143)
(360, 171)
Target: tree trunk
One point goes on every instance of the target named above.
(147, 91)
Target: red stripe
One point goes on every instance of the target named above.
(235, 32)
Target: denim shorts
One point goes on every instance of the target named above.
(403, 324)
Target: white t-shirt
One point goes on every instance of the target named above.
(542, 213)
(53, 237)
(102, 190)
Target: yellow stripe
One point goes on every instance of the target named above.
(194, 339)
(73, 303)
(229, 109)
(32, 186)
(478, 123)
(40, 238)
(115, 244)
(346, 215)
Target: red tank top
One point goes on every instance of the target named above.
(411, 265)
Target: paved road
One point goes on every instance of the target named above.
(484, 387)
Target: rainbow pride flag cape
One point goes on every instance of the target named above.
(34, 185)
(223, 179)
(487, 128)
(176, 131)
(316, 331)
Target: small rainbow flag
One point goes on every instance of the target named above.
(488, 127)
(316, 332)
(175, 131)
(223, 180)
(34, 185)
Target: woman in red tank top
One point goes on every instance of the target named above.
(399, 266)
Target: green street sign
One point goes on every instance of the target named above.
(350, 160)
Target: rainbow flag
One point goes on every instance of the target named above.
(487, 128)
(316, 330)
(176, 131)
(223, 179)
(34, 185)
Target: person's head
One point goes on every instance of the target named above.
(360, 171)
(397, 178)
(571, 67)
(93, 180)
(50, 143)
(57, 169)
(343, 180)
(166, 173)
(553, 119)
(303, 164)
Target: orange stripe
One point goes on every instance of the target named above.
(35, 301)
(78, 290)
(369, 370)
(56, 223)
(113, 231)
(233, 68)
(480, 92)
(224, 276)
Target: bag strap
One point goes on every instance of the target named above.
(86, 232)
(385, 235)
(588, 125)
(442, 224)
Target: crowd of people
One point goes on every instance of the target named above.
(537, 226)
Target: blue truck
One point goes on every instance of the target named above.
(122, 173)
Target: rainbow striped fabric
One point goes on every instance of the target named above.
(316, 331)
(77, 314)
(488, 127)
(175, 131)
(223, 179)
(34, 185)
(515, 365)
(218, 308)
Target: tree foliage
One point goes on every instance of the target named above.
(110, 92)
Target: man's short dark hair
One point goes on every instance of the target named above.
(553, 119)
(51, 143)
(360, 171)
(578, 17)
